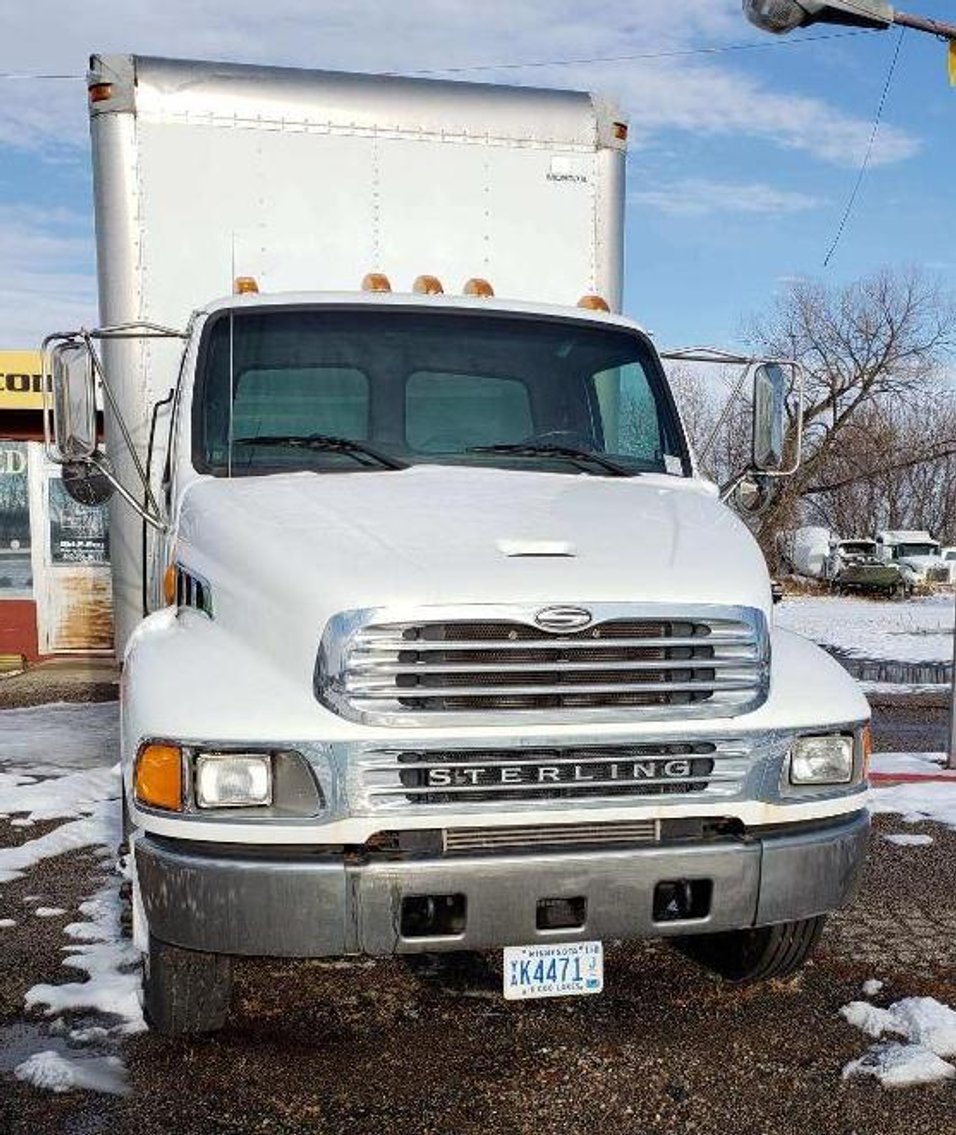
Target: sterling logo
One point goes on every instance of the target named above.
(563, 618)
(623, 772)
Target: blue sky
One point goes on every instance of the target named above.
(740, 165)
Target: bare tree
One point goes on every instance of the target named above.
(870, 350)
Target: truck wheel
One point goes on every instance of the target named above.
(185, 991)
(744, 956)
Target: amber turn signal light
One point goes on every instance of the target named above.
(158, 779)
(866, 747)
(169, 585)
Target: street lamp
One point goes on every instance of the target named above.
(781, 16)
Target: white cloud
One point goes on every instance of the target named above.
(47, 282)
(696, 197)
(713, 98)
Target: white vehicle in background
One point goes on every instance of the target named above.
(806, 550)
(916, 554)
(854, 566)
(949, 559)
(433, 636)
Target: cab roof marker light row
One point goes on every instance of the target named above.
(245, 285)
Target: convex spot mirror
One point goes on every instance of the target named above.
(86, 483)
(769, 402)
(752, 494)
(74, 402)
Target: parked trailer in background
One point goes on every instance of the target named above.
(421, 649)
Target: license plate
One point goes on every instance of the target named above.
(568, 969)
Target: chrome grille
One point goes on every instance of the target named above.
(700, 666)
(552, 835)
(455, 777)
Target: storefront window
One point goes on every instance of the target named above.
(16, 571)
(78, 534)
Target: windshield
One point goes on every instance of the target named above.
(281, 389)
(904, 551)
(858, 548)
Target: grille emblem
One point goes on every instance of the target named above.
(563, 618)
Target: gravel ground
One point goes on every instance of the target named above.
(363, 1047)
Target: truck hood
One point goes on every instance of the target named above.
(285, 553)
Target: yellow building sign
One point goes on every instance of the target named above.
(21, 381)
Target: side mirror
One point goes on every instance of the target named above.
(769, 398)
(74, 402)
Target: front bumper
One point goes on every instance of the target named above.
(289, 903)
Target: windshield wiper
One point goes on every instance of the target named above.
(326, 443)
(530, 449)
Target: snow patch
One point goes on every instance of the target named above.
(7, 922)
(917, 801)
(902, 840)
(928, 1029)
(49, 911)
(900, 1065)
(110, 962)
(872, 987)
(58, 1073)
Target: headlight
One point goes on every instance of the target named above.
(822, 760)
(233, 780)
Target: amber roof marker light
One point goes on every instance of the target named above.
(594, 303)
(100, 92)
(428, 286)
(376, 282)
(245, 286)
(476, 286)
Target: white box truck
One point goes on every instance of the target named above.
(433, 638)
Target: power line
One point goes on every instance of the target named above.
(864, 165)
(675, 54)
(24, 75)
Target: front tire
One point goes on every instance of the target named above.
(742, 957)
(185, 991)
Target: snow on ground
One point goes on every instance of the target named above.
(928, 1029)
(904, 840)
(926, 800)
(58, 1073)
(57, 763)
(900, 1065)
(915, 801)
(926, 764)
(911, 630)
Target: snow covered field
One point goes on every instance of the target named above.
(913, 630)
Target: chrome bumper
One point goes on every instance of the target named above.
(288, 903)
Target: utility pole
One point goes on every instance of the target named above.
(782, 16)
